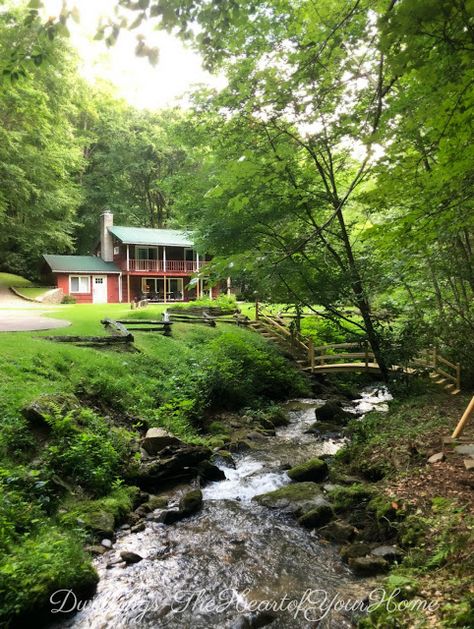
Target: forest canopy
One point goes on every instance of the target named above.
(333, 170)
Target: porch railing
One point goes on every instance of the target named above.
(179, 266)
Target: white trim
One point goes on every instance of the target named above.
(128, 258)
(80, 292)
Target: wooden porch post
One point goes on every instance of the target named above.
(128, 288)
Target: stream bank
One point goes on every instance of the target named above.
(237, 562)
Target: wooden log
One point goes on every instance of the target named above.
(464, 419)
(140, 321)
(100, 340)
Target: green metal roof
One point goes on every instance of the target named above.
(147, 236)
(80, 264)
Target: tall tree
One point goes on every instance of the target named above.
(39, 154)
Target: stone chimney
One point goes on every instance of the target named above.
(106, 241)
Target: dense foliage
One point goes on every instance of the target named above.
(55, 477)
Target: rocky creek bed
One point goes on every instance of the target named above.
(262, 546)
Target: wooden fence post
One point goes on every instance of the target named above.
(366, 355)
(458, 375)
(256, 309)
(311, 354)
(464, 419)
(435, 357)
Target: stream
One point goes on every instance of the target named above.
(234, 556)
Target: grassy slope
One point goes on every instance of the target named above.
(8, 279)
(172, 382)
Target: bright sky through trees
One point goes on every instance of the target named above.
(136, 80)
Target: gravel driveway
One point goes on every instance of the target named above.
(19, 315)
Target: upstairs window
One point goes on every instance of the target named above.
(80, 284)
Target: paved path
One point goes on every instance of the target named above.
(19, 315)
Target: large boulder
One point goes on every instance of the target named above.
(333, 412)
(295, 499)
(314, 470)
(172, 465)
(317, 516)
(157, 439)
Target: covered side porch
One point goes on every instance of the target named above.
(166, 288)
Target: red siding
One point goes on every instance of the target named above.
(113, 289)
(62, 281)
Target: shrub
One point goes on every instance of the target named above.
(68, 299)
(48, 561)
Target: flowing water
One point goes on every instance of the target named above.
(207, 571)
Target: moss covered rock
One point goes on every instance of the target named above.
(191, 502)
(314, 470)
(333, 412)
(369, 566)
(317, 516)
(295, 499)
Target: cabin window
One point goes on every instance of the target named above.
(147, 253)
(79, 284)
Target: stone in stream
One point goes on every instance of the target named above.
(368, 566)
(209, 472)
(325, 430)
(317, 516)
(95, 549)
(130, 557)
(157, 502)
(314, 470)
(157, 439)
(191, 502)
(295, 499)
(333, 412)
(352, 551)
(338, 531)
(172, 464)
(253, 621)
(106, 543)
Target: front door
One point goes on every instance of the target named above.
(99, 289)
